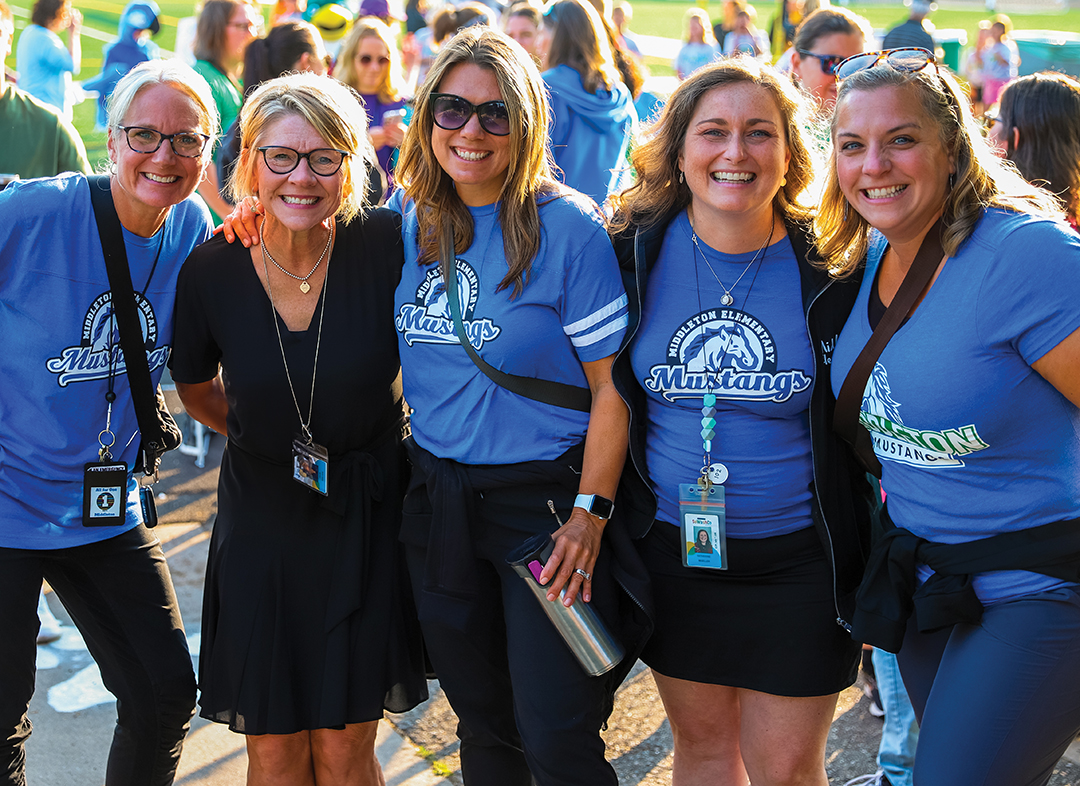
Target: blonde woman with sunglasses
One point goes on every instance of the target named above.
(973, 409)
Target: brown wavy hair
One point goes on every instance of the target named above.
(981, 180)
(658, 192)
(439, 210)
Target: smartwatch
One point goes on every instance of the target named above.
(594, 504)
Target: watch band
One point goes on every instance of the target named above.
(595, 505)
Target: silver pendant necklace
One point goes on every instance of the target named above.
(305, 287)
(726, 299)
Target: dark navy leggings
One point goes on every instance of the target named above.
(120, 595)
(998, 702)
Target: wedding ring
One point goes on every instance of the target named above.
(583, 574)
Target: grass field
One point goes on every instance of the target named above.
(654, 17)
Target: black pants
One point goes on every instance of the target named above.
(526, 708)
(121, 597)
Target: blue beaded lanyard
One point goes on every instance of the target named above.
(718, 473)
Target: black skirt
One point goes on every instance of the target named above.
(768, 623)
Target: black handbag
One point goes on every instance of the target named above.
(157, 427)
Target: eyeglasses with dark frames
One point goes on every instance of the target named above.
(452, 112)
(908, 60)
(186, 144)
(365, 60)
(828, 62)
(323, 161)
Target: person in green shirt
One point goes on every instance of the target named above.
(39, 142)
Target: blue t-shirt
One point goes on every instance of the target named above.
(754, 355)
(973, 441)
(45, 67)
(55, 316)
(691, 57)
(572, 310)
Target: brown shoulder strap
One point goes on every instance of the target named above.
(849, 402)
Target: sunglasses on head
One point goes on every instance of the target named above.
(366, 60)
(908, 60)
(452, 112)
(828, 62)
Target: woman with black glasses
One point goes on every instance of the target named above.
(824, 38)
(973, 411)
(289, 349)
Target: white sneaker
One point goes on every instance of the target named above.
(50, 628)
(877, 779)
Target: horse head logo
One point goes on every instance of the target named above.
(438, 300)
(723, 347)
(877, 399)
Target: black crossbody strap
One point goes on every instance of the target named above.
(127, 316)
(849, 402)
(545, 391)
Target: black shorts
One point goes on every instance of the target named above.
(768, 623)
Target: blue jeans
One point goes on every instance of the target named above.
(900, 734)
(998, 702)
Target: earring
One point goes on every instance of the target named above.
(847, 209)
(682, 177)
(783, 182)
(952, 180)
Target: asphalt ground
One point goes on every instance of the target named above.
(73, 715)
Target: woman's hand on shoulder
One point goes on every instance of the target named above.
(242, 222)
(577, 545)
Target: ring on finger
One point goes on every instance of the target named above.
(584, 574)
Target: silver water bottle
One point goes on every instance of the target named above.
(580, 626)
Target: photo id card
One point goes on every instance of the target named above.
(703, 528)
(310, 462)
(104, 494)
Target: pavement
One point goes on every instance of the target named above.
(73, 714)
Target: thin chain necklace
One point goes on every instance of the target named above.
(726, 299)
(305, 287)
(305, 426)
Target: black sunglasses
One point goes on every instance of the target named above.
(366, 60)
(452, 112)
(908, 60)
(828, 62)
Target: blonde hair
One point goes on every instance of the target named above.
(439, 210)
(981, 179)
(392, 85)
(331, 108)
(581, 42)
(706, 25)
(658, 191)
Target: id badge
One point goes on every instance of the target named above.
(702, 524)
(310, 462)
(104, 494)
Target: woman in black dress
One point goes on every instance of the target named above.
(306, 638)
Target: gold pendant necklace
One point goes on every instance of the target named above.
(305, 287)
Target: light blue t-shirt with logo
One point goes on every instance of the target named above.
(754, 355)
(973, 441)
(59, 334)
(573, 310)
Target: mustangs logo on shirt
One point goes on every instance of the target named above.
(726, 352)
(99, 348)
(893, 441)
(427, 320)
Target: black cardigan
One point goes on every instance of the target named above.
(843, 494)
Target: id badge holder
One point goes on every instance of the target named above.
(702, 524)
(104, 493)
(310, 464)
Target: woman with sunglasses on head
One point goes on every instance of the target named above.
(973, 409)
(289, 350)
(1037, 127)
(732, 329)
(540, 296)
(824, 38)
(68, 417)
(592, 111)
(369, 63)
